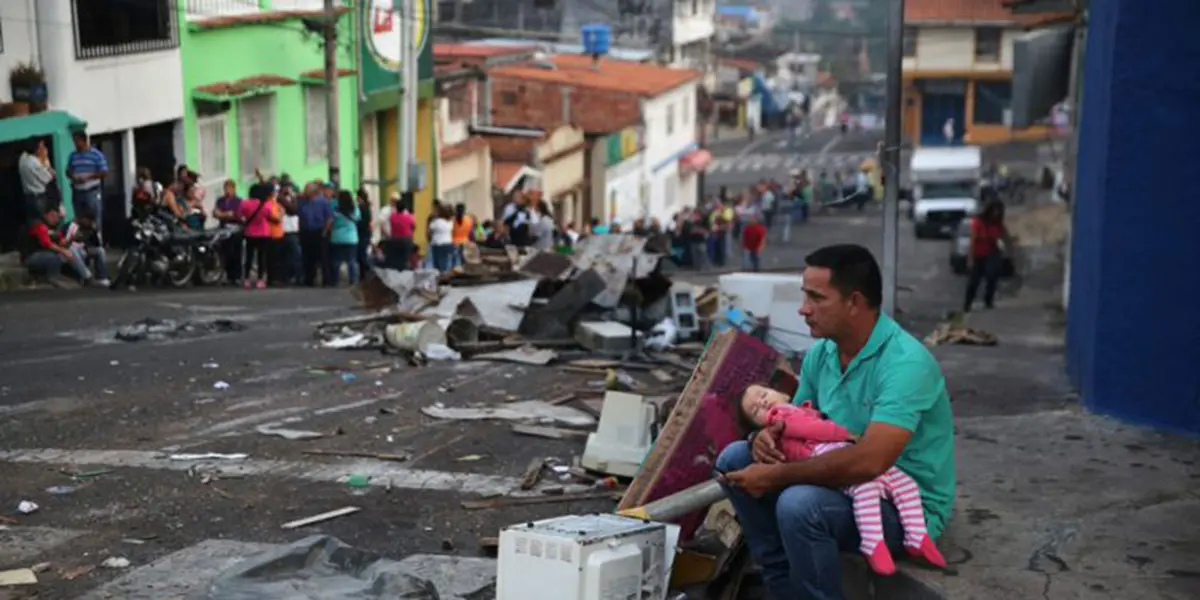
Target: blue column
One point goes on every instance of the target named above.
(1133, 334)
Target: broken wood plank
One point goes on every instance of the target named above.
(439, 447)
(563, 399)
(375, 318)
(585, 370)
(662, 376)
(506, 502)
(532, 473)
(551, 433)
(325, 516)
(359, 454)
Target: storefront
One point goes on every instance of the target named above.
(54, 126)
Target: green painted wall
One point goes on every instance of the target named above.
(285, 48)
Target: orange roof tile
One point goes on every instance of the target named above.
(245, 84)
(320, 73)
(447, 50)
(942, 11)
(613, 75)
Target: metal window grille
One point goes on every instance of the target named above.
(316, 132)
(106, 28)
(256, 135)
(212, 150)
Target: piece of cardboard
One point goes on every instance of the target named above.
(702, 423)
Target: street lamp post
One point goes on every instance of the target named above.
(890, 156)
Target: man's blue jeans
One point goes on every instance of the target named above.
(90, 201)
(797, 535)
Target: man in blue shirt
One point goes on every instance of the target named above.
(87, 169)
(880, 383)
(316, 218)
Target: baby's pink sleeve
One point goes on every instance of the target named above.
(798, 424)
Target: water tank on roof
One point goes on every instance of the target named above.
(596, 39)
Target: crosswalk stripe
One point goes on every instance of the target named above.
(775, 162)
(379, 473)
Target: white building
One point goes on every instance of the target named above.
(672, 154)
(114, 65)
(693, 29)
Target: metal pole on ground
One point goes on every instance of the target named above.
(890, 157)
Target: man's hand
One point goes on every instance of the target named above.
(766, 445)
(756, 480)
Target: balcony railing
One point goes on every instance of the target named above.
(106, 28)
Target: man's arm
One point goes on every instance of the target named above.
(101, 167)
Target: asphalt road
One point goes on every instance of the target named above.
(775, 154)
(74, 398)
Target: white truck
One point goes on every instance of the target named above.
(945, 190)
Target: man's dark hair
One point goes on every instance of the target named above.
(852, 269)
(80, 136)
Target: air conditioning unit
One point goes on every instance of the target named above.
(584, 557)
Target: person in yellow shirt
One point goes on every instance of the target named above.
(460, 232)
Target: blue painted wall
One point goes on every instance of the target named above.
(1133, 333)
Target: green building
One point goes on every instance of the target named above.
(254, 91)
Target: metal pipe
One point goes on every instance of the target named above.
(402, 125)
(680, 503)
(890, 156)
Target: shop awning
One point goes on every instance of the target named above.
(38, 124)
(222, 91)
(695, 161)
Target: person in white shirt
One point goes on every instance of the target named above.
(441, 239)
(37, 177)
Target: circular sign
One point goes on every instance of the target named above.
(381, 25)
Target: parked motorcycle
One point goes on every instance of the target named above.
(165, 253)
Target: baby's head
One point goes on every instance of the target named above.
(754, 404)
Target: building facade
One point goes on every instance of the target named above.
(115, 69)
(381, 134)
(958, 72)
(464, 160)
(604, 97)
(253, 76)
(1132, 328)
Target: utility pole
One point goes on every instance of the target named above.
(890, 156)
(332, 79)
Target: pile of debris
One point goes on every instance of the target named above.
(610, 296)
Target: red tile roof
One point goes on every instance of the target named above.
(463, 148)
(447, 50)
(612, 75)
(503, 173)
(943, 11)
(245, 84)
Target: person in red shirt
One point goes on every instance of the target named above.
(50, 253)
(754, 239)
(985, 257)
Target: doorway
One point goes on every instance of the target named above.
(941, 101)
(115, 219)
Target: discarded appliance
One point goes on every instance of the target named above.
(775, 297)
(624, 436)
(580, 557)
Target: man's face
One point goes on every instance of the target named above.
(53, 218)
(80, 143)
(825, 309)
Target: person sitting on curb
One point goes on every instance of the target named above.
(85, 243)
(880, 383)
(49, 253)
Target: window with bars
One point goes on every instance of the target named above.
(316, 132)
(256, 135)
(106, 28)
(213, 155)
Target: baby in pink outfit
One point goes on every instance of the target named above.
(807, 433)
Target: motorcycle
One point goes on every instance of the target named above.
(166, 253)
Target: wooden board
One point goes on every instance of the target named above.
(702, 423)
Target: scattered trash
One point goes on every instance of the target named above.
(553, 433)
(162, 329)
(529, 410)
(82, 475)
(662, 336)
(440, 352)
(204, 401)
(357, 340)
(956, 333)
(41, 567)
(17, 577)
(114, 363)
(289, 434)
(526, 355)
(210, 365)
(358, 481)
(61, 490)
(469, 458)
(221, 385)
(325, 516)
(348, 377)
(76, 572)
(115, 562)
(26, 507)
(358, 454)
(209, 456)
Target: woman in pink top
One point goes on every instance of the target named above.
(255, 213)
(398, 247)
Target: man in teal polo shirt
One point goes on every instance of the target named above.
(872, 377)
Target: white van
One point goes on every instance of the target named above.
(945, 188)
